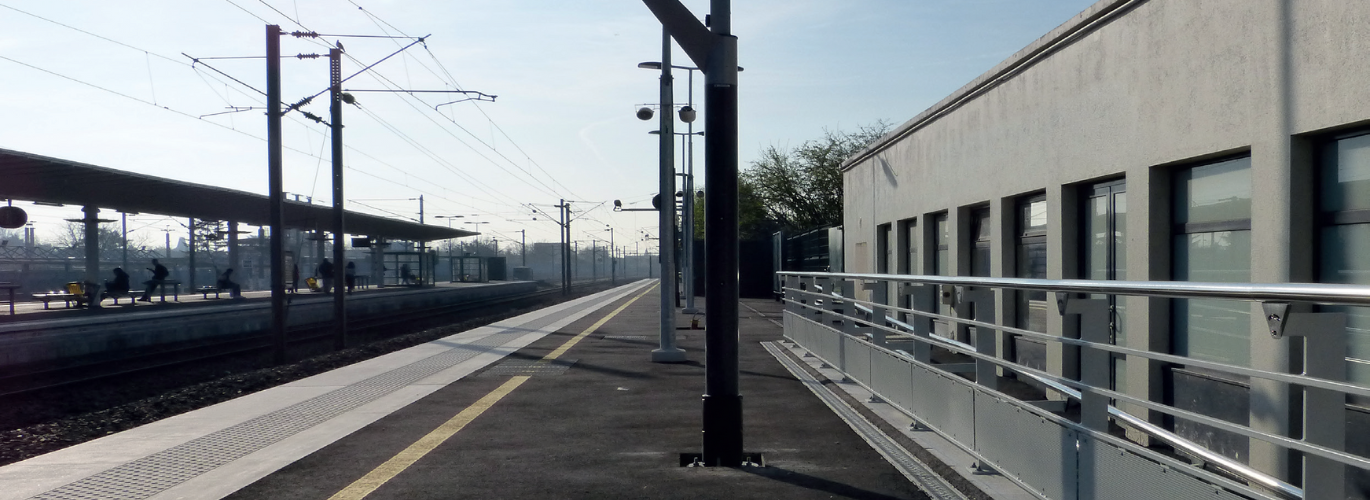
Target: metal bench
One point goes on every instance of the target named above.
(75, 292)
(175, 289)
(128, 294)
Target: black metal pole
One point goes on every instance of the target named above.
(339, 266)
(276, 185)
(722, 399)
(565, 251)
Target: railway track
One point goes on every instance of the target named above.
(124, 364)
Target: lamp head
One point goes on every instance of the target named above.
(618, 203)
(649, 65)
(687, 114)
(644, 113)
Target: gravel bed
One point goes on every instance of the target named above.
(44, 426)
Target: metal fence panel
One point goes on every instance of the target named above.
(1107, 471)
(944, 404)
(892, 379)
(1027, 447)
(856, 359)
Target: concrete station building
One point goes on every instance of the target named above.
(1147, 140)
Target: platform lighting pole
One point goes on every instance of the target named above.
(688, 225)
(339, 266)
(667, 352)
(714, 49)
(277, 187)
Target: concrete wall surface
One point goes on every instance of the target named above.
(1133, 90)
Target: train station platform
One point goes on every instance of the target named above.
(45, 339)
(562, 402)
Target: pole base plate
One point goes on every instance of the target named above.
(668, 356)
(749, 459)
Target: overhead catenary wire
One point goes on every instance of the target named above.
(452, 81)
(224, 95)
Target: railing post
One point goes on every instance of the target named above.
(979, 304)
(880, 291)
(922, 298)
(1094, 363)
(1324, 411)
(815, 310)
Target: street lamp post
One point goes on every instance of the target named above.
(687, 115)
(667, 352)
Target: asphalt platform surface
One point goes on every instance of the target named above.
(612, 425)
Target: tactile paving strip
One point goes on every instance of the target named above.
(529, 368)
(150, 475)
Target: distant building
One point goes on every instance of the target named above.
(1224, 140)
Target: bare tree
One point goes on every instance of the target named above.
(73, 236)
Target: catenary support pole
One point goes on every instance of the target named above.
(339, 256)
(276, 185)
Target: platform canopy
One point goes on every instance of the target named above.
(32, 177)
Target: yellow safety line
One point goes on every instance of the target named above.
(397, 464)
(574, 340)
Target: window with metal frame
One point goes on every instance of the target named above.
(1344, 235)
(1103, 252)
(1212, 242)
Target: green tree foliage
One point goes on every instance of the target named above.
(801, 188)
(753, 223)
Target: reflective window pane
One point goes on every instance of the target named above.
(1120, 236)
(1215, 192)
(1345, 260)
(943, 239)
(1213, 330)
(1032, 305)
(1346, 175)
(1096, 239)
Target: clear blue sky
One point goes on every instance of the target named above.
(565, 74)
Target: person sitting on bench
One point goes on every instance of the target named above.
(120, 284)
(159, 274)
(226, 283)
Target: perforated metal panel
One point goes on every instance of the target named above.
(891, 378)
(856, 359)
(150, 475)
(1107, 471)
(944, 403)
(827, 344)
(1028, 447)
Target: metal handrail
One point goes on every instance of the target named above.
(1314, 293)
(1150, 429)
